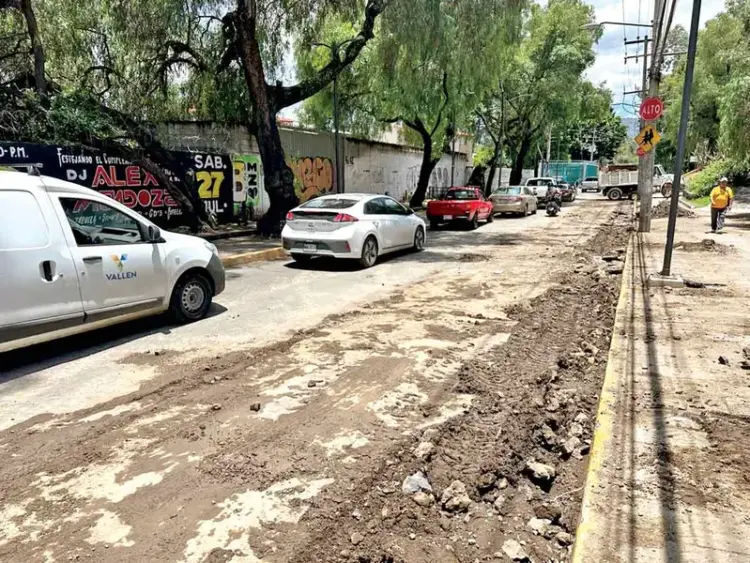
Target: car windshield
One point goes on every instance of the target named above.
(592, 179)
(461, 194)
(508, 191)
(329, 203)
(538, 182)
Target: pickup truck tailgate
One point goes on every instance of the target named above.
(448, 208)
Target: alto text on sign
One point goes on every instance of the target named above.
(651, 109)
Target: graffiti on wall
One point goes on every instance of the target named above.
(312, 176)
(127, 183)
(247, 184)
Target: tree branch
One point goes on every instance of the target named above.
(36, 45)
(288, 96)
(442, 107)
(487, 126)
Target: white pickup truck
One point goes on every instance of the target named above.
(540, 187)
(617, 181)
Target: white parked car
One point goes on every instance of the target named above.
(357, 226)
(72, 260)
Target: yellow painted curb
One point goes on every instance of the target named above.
(605, 417)
(248, 257)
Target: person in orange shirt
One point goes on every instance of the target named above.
(722, 197)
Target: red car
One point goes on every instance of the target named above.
(460, 205)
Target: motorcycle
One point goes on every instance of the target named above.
(554, 204)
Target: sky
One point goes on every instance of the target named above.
(610, 66)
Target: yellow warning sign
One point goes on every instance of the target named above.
(648, 138)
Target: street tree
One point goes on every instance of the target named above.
(151, 59)
(427, 70)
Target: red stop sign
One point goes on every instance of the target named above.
(651, 109)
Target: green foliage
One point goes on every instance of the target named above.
(626, 153)
(482, 155)
(703, 182)
(541, 81)
(718, 123)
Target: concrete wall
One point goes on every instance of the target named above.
(369, 167)
(379, 168)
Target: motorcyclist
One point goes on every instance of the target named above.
(554, 195)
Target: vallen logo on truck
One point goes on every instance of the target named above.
(120, 263)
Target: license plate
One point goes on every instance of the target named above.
(447, 217)
(310, 247)
(311, 227)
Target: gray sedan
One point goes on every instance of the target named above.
(519, 200)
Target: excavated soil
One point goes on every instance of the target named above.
(298, 451)
(532, 396)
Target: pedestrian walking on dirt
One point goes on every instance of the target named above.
(722, 197)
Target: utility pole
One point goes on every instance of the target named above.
(549, 148)
(681, 137)
(646, 162)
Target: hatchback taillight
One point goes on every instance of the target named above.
(290, 216)
(344, 218)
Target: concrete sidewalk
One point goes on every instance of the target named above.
(238, 251)
(669, 474)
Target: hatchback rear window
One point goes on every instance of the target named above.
(329, 203)
(508, 191)
(461, 194)
(539, 182)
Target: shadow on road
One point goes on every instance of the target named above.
(21, 362)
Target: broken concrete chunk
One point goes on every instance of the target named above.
(424, 450)
(571, 445)
(425, 500)
(723, 360)
(564, 539)
(540, 472)
(455, 499)
(539, 525)
(575, 430)
(514, 551)
(415, 483)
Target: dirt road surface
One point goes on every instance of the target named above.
(283, 428)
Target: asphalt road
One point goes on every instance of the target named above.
(261, 304)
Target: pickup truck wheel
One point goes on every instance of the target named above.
(191, 298)
(474, 224)
(369, 252)
(666, 190)
(614, 194)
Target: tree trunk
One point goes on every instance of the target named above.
(425, 171)
(517, 172)
(36, 45)
(278, 177)
(493, 169)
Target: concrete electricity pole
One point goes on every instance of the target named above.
(646, 162)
